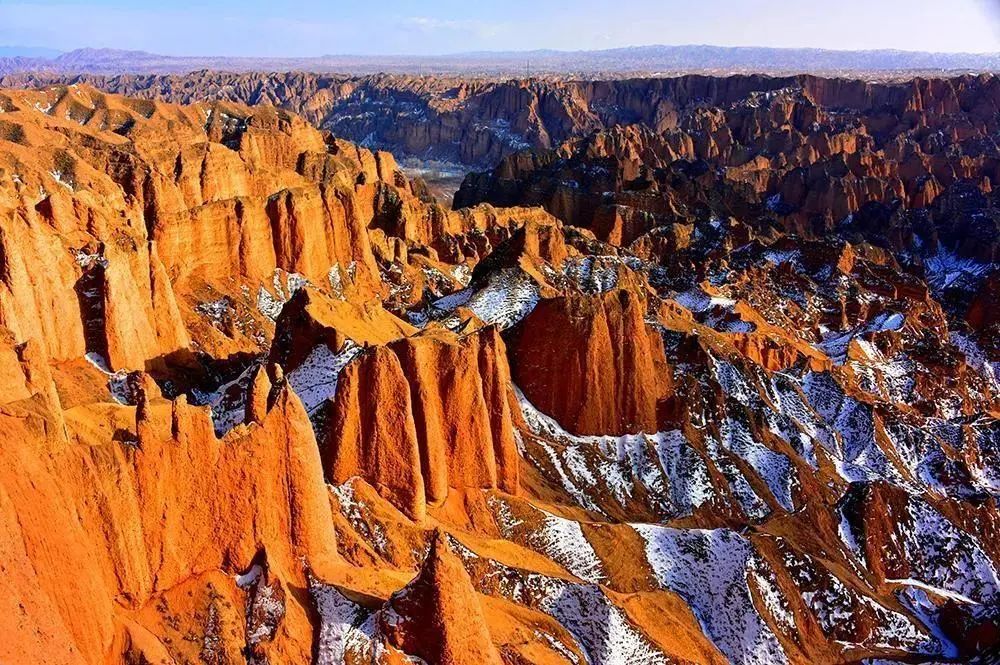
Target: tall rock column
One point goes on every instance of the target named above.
(423, 415)
(592, 363)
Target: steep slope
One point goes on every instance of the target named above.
(110, 512)
(425, 414)
(168, 231)
(261, 400)
(591, 362)
(812, 155)
(443, 593)
(479, 121)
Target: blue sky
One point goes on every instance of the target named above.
(312, 27)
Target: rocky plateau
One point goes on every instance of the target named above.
(694, 370)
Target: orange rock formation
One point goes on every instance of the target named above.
(593, 363)
(423, 415)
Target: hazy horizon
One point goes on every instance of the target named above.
(45, 52)
(446, 27)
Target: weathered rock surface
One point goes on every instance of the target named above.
(438, 616)
(480, 121)
(592, 362)
(423, 415)
(121, 506)
(802, 153)
(260, 399)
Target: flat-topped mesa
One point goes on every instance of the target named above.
(422, 415)
(592, 363)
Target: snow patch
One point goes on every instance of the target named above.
(709, 570)
(315, 380)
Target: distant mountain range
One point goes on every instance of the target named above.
(642, 59)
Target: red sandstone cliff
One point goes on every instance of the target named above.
(593, 363)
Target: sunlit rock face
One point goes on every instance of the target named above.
(719, 385)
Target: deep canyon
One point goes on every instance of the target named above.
(699, 369)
